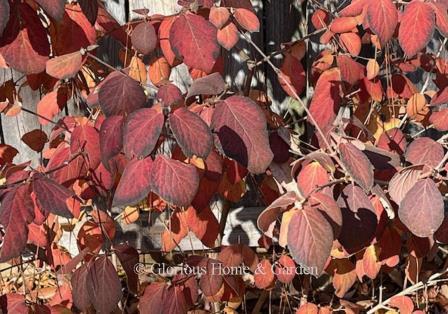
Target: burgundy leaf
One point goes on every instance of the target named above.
(212, 84)
(422, 209)
(359, 219)
(142, 131)
(358, 165)
(86, 139)
(75, 168)
(35, 139)
(403, 181)
(424, 151)
(242, 132)
(54, 8)
(393, 140)
(326, 100)
(80, 293)
(65, 66)
(25, 50)
(310, 239)
(103, 285)
(382, 16)
(191, 132)
(135, 183)
(111, 138)
(16, 212)
(193, 38)
(153, 299)
(120, 94)
(129, 258)
(416, 27)
(169, 95)
(174, 181)
(51, 196)
(144, 38)
(273, 211)
(440, 120)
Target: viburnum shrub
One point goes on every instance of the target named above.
(354, 215)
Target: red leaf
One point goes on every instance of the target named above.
(153, 299)
(242, 132)
(219, 16)
(194, 38)
(403, 303)
(14, 303)
(212, 84)
(129, 258)
(422, 209)
(440, 98)
(50, 105)
(424, 151)
(328, 206)
(51, 196)
(358, 165)
(54, 8)
(76, 168)
(310, 238)
(247, 19)
(310, 177)
(403, 181)
(65, 66)
(263, 274)
(174, 181)
(103, 285)
(80, 294)
(440, 10)
(354, 8)
(25, 49)
(4, 15)
(111, 138)
(285, 269)
(393, 140)
(23, 56)
(294, 74)
(141, 132)
(237, 254)
(120, 94)
(35, 139)
(16, 212)
(382, 17)
(228, 36)
(134, 184)
(176, 231)
(271, 213)
(343, 24)
(73, 32)
(170, 95)
(416, 27)
(308, 308)
(359, 220)
(164, 36)
(439, 119)
(144, 38)
(351, 71)
(326, 100)
(351, 42)
(204, 225)
(86, 139)
(191, 132)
